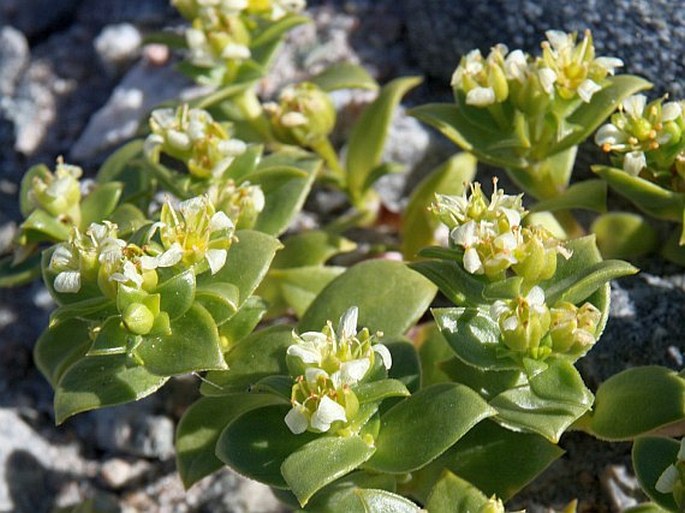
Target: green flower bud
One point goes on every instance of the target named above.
(493, 505)
(573, 329)
(304, 115)
(523, 322)
(59, 194)
(242, 204)
(138, 319)
(537, 256)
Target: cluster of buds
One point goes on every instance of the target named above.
(672, 480)
(491, 235)
(58, 193)
(530, 327)
(220, 32)
(567, 69)
(242, 203)
(304, 114)
(327, 364)
(193, 137)
(645, 135)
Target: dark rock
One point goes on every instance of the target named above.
(649, 35)
(34, 17)
(96, 13)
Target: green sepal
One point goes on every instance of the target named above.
(418, 224)
(645, 195)
(368, 136)
(112, 338)
(40, 226)
(247, 262)
(95, 382)
(452, 494)
(551, 401)
(38, 171)
(257, 443)
(638, 401)
(418, 429)
(390, 298)
(243, 322)
(588, 195)
(259, 355)
(100, 203)
(199, 429)
(322, 461)
(59, 347)
(177, 294)
(624, 235)
(344, 75)
(651, 456)
(192, 346)
(220, 300)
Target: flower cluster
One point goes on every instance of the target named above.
(220, 30)
(567, 69)
(327, 364)
(672, 480)
(303, 115)
(491, 235)
(193, 137)
(644, 135)
(242, 203)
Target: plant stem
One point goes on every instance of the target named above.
(325, 150)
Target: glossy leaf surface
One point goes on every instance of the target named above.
(624, 235)
(344, 75)
(651, 456)
(453, 494)
(60, 346)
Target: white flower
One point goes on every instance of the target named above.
(220, 221)
(216, 258)
(634, 105)
(516, 66)
(472, 262)
(168, 258)
(351, 372)
(309, 347)
(128, 274)
(296, 419)
(560, 41)
(611, 136)
(587, 89)
(670, 111)
(547, 78)
(384, 353)
(634, 162)
(609, 63)
(347, 327)
(68, 282)
(326, 413)
(481, 96)
(236, 52)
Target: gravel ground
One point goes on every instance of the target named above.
(74, 81)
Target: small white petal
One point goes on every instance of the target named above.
(536, 296)
(68, 282)
(148, 262)
(296, 420)
(609, 63)
(328, 412)
(347, 327)
(216, 258)
(232, 147)
(220, 221)
(304, 353)
(635, 105)
(196, 130)
(481, 96)
(670, 111)
(312, 374)
(60, 257)
(165, 118)
(667, 480)
(547, 79)
(512, 215)
(506, 242)
(559, 40)
(472, 262)
(510, 323)
(515, 66)
(634, 162)
(384, 353)
(236, 51)
(257, 197)
(293, 119)
(97, 231)
(178, 140)
(171, 256)
(587, 88)
(353, 371)
(465, 235)
(498, 308)
(195, 39)
(609, 134)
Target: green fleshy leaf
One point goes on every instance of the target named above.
(112, 338)
(624, 235)
(244, 321)
(220, 300)
(60, 346)
(420, 428)
(488, 383)
(247, 262)
(193, 345)
(177, 294)
(257, 443)
(551, 401)
(474, 336)
(390, 298)
(97, 381)
(100, 203)
(651, 456)
(285, 179)
(344, 75)
(481, 140)
(128, 218)
(365, 147)
(19, 274)
(433, 351)
(119, 161)
(259, 355)
(588, 195)
(311, 248)
(418, 224)
(245, 164)
(453, 281)
(647, 507)
(376, 391)
(499, 461)
(587, 118)
(406, 365)
(40, 226)
(645, 195)
(452, 494)
(322, 461)
(199, 429)
(277, 385)
(637, 401)
(297, 288)
(276, 30)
